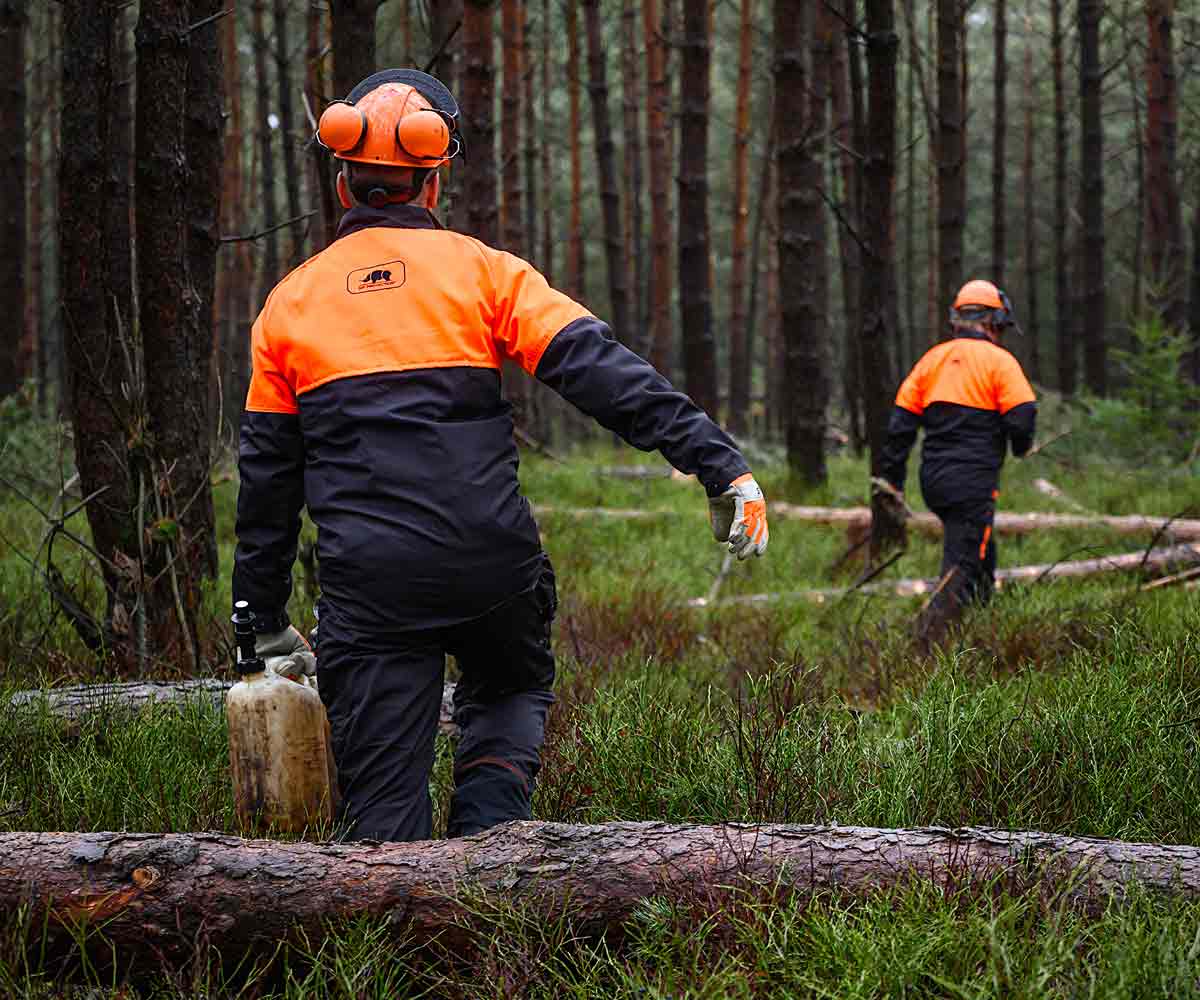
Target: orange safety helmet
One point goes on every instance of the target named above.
(983, 295)
(395, 118)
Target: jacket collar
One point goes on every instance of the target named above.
(392, 216)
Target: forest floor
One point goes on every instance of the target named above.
(1066, 706)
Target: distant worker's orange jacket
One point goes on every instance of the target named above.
(375, 400)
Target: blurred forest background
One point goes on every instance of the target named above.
(773, 200)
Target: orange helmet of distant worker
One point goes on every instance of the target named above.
(982, 300)
(395, 118)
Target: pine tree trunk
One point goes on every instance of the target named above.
(529, 134)
(606, 173)
(315, 88)
(695, 275)
(269, 272)
(951, 169)
(878, 230)
(205, 157)
(658, 146)
(802, 252)
(546, 166)
(849, 128)
(177, 352)
(1094, 312)
(287, 140)
(1137, 299)
(512, 195)
(35, 298)
(757, 242)
(352, 38)
(631, 99)
(1064, 321)
(13, 17)
(446, 37)
(999, 127)
(575, 261)
(739, 355)
(478, 97)
(1030, 324)
(1164, 219)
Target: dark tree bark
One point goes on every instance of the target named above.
(95, 349)
(512, 192)
(36, 295)
(1192, 361)
(352, 38)
(118, 189)
(1064, 321)
(1164, 217)
(529, 133)
(758, 240)
(606, 173)
(287, 125)
(999, 128)
(13, 17)
(205, 159)
(446, 37)
(879, 169)
(739, 355)
(632, 98)
(848, 129)
(478, 95)
(658, 146)
(1091, 171)
(546, 166)
(1030, 322)
(952, 175)
(157, 893)
(177, 352)
(269, 273)
(315, 88)
(695, 266)
(802, 239)
(575, 261)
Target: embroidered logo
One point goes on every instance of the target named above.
(377, 278)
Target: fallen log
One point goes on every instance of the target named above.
(1159, 560)
(131, 696)
(859, 519)
(155, 895)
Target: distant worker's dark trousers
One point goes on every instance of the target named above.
(384, 701)
(968, 571)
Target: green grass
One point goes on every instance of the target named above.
(1069, 707)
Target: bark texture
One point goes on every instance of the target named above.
(1064, 328)
(269, 273)
(352, 38)
(512, 191)
(739, 355)
(155, 894)
(695, 274)
(951, 170)
(1029, 212)
(658, 147)
(13, 16)
(999, 130)
(1094, 289)
(287, 124)
(478, 95)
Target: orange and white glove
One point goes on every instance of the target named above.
(739, 517)
(287, 654)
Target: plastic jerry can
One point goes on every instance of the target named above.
(279, 745)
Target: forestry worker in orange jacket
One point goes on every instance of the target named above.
(974, 402)
(375, 401)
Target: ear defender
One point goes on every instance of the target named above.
(341, 127)
(424, 135)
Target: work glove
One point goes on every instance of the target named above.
(287, 654)
(739, 517)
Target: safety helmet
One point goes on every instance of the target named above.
(982, 301)
(394, 118)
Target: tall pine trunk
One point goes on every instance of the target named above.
(950, 147)
(1064, 321)
(512, 194)
(739, 354)
(695, 275)
(606, 173)
(575, 261)
(999, 128)
(352, 38)
(546, 166)
(316, 89)
(176, 351)
(1164, 218)
(287, 138)
(478, 96)
(658, 146)
(269, 272)
(1031, 325)
(631, 100)
(1091, 171)
(13, 16)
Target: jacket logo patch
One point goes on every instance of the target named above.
(376, 278)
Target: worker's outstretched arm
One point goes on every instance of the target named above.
(1017, 404)
(271, 494)
(903, 424)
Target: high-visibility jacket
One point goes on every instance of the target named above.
(973, 400)
(375, 401)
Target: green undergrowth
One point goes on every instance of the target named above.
(1069, 706)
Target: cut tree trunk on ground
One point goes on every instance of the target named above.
(1153, 561)
(156, 895)
(75, 702)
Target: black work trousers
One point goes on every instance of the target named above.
(968, 571)
(384, 701)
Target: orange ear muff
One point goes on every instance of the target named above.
(424, 135)
(343, 191)
(341, 127)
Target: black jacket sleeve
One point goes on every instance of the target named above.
(271, 495)
(626, 395)
(902, 435)
(1020, 423)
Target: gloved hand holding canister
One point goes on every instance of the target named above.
(287, 654)
(739, 517)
